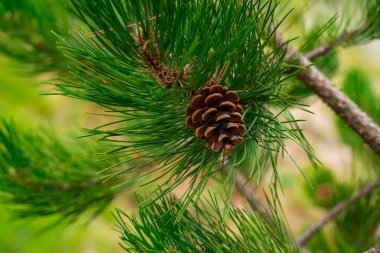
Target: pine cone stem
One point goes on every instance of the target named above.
(167, 77)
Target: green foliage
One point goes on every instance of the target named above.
(18, 96)
(25, 32)
(330, 242)
(43, 175)
(354, 22)
(216, 38)
(369, 27)
(153, 229)
(326, 191)
(24, 236)
(359, 88)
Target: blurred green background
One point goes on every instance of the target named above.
(19, 100)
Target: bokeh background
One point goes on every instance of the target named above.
(335, 146)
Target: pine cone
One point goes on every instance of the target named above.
(214, 114)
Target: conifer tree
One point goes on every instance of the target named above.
(195, 94)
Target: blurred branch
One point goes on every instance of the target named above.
(341, 104)
(367, 30)
(363, 192)
(325, 49)
(375, 249)
(249, 193)
(255, 202)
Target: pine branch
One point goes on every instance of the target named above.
(324, 49)
(151, 130)
(367, 30)
(363, 192)
(343, 106)
(165, 75)
(375, 249)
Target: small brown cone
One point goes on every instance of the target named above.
(216, 115)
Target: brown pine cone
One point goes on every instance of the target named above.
(215, 114)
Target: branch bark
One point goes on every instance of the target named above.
(325, 49)
(363, 192)
(342, 105)
(320, 51)
(375, 249)
(249, 193)
(254, 201)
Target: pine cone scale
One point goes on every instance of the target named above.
(227, 106)
(200, 131)
(232, 96)
(214, 99)
(222, 137)
(222, 117)
(209, 113)
(198, 102)
(209, 131)
(239, 109)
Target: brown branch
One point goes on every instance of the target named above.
(363, 192)
(254, 201)
(166, 76)
(246, 190)
(375, 249)
(325, 49)
(342, 105)
(249, 193)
